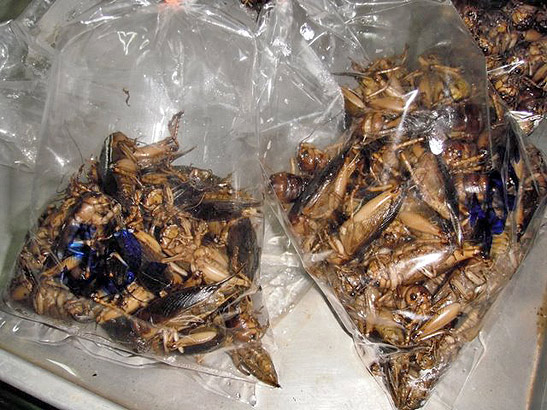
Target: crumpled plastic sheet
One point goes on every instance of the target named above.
(23, 74)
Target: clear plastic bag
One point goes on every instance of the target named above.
(132, 67)
(28, 49)
(28, 46)
(23, 70)
(512, 36)
(410, 201)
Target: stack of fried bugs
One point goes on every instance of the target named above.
(162, 256)
(513, 36)
(416, 218)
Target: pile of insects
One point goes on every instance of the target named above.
(416, 217)
(513, 37)
(163, 256)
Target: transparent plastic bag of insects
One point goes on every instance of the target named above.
(411, 199)
(147, 200)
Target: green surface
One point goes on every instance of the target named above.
(10, 9)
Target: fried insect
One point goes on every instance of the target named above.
(251, 358)
(287, 187)
(368, 222)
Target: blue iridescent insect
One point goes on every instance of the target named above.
(129, 248)
(73, 240)
(488, 218)
(109, 265)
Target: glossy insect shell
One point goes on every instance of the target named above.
(163, 309)
(153, 276)
(130, 248)
(106, 158)
(315, 187)
(287, 186)
(468, 118)
(208, 345)
(310, 159)
(242, 248)
(221, 209)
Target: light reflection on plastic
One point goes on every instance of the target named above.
(5, 132)
(307, 32)
(144, 44)
(63, 366)
(424, 261)
(59, 159)
(411, 315)
(409, 99)
(436, 145)
(175, 76)
(242, 56)
(278, 43)
(126, 39)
